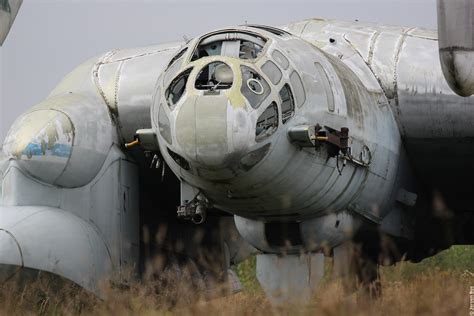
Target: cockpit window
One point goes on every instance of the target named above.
(267, 123)
(299, 89)
(269, 29)
(215, 76)
(177, 88)
(175, 58)
(272, 71)
(254, 87)
(287, 103)
(174, 66)
(234, 44)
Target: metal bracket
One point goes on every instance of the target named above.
(194, 210)
(338, 139)
(146, 139)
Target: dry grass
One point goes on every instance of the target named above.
(408, 289)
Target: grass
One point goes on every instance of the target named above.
(436, 286)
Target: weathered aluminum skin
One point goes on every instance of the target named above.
(87, 235)
(289, 183)
(436, 124)
(385, 84)
(65, 139)
(69, 199)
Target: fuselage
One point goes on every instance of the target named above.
(436, 125)
(307, 134)
(224, 129)
(216, 131)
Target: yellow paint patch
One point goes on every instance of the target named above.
(234, 95)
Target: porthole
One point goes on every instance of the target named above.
(298, 88)
(255, 86)
(272, 71)
(287, 103)
(267, 123)
(281, 59)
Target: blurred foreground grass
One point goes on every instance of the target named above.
(437, 286)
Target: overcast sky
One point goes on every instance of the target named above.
(50, 37)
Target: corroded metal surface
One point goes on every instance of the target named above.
(406, 63)
(287, 183)
(307, 136)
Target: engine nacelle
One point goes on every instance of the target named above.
(456, 44)
(63, 141)
(318, 234)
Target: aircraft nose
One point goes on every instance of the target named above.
(212, 131)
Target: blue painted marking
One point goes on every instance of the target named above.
(58, 150)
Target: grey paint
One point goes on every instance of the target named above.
(374, 88)
(87, 235)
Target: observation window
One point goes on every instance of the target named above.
(281, 59)
(177, 88)
(215, 76)
(235, 44)
(173, 67)
(183, 163)
(287, 103)
(298, 87)
(267, 123)
(176, 57)
(254, 87)
(272, 71)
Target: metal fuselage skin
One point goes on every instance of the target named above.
(288, 183)
(436, 125)
(385, 84)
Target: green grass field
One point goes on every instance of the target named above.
(458, 260)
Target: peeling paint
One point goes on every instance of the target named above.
(41, 133)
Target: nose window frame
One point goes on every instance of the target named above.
(249, 79)
(267, 123)
(231, 43)
(272, 71)
(216, 75)
(298, 88)
(173, 97)
(281, 59)
(287, 103)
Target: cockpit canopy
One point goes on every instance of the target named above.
(240, 45)
(248, 60)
